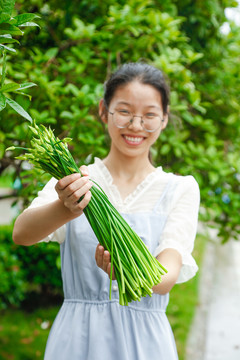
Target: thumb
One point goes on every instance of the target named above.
(84, 170)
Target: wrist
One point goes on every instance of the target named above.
(66, 213)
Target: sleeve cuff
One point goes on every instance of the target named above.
(189, 266)
(57, 236)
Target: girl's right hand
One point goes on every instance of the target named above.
(72, 187)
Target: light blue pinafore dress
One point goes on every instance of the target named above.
(89, 326)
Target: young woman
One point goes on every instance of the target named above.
(161, 207)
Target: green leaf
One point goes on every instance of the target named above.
(2, 47)
(15, 106)
(22, 19)
(10, 87)
(30, 24)
(6, 6)
(7, 39)
(2, 102)
(4, 17)
(24, 94)
(26, 85)
(10, 29)
(52, 52)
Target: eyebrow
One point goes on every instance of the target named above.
(148, 106)
(123, 103)
(154, 106)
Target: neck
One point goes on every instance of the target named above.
(128, 167)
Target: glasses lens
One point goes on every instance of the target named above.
(122, 118)
(151, 122)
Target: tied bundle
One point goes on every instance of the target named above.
(136, 269)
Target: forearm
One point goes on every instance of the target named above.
(35, 224)
(172, 261)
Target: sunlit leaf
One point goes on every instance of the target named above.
(29, 24)
(18, 108)
(23, 18)
(2, 47)
(10, 29)
(24, 94)
(26, 85)
(10, 87)
(7, 39)
(2, 101)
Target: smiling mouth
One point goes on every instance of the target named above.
(133, 140)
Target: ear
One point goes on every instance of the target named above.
(102, 111)
(165, 119)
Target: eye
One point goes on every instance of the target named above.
(151, 115)
(123, 112)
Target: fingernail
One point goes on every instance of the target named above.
(84, 172)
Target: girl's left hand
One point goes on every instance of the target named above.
(103, 260)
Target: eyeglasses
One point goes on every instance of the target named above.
(150, 122)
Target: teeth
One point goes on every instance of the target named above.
(133, 139)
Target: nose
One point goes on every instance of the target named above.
(136, 125)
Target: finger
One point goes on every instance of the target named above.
(99, 255)
(64, 182)
(109, 272)
(84, 170)
(106, 260)
(73, 187)
(96, 252)
(77, 207)
(78, 188)
(83, 203)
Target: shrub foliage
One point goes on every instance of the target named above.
(77, 45)
(28, 272)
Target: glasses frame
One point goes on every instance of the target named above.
(131, 121)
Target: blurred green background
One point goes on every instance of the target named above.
(75, 46)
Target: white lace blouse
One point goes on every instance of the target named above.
(182, 208)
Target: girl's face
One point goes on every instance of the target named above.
(138, 99)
